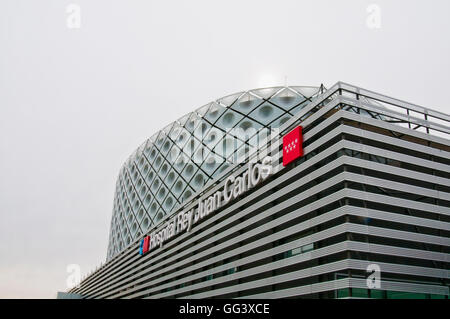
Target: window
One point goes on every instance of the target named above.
(298, 251)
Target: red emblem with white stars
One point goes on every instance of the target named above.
(292, 146)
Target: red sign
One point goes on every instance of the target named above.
(145, 245)
(292, 146)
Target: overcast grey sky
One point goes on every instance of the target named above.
(76, 102)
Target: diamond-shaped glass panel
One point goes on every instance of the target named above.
(266, 113)
(287, 99)
(228, 120)
(246, 103)
(170, 178)
(214, 112)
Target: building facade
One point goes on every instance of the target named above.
(209, 207)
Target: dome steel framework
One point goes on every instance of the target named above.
(177, 161)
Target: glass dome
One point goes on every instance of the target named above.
(176, 162)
